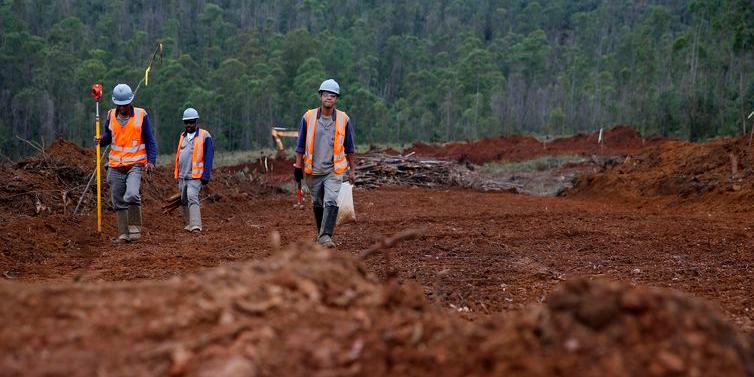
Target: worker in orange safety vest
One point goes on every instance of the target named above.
(193, 167)
(324, 152)
(133, 150)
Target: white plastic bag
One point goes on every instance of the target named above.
(346, 212)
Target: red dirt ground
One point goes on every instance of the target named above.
(619, 140)
(466, 299)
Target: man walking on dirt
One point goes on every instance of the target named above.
(133, 149)
(324, 151)
(193, 167)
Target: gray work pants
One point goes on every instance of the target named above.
(324, 189)
(125, 187)
(190, 200)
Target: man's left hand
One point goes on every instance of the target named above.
(149, 168)
(298, 173)
(351, 176)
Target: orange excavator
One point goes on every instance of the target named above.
(278, 133)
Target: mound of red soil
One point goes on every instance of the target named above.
(427, 150)
(590, 328)
(306, 311)
(391, 152)
(46, 183)
(619, 140)
(718, 173)
(513, 148)
(62, 153)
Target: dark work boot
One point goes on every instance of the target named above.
(328, 227)
(122, 217)
(134, 222)
(318, 212)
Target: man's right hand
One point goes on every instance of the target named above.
(97, 140)
(298, 173)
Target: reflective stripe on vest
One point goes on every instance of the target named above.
(133, 159)
(340, 163)
(197, 158)
(129, 150)
(127, 147)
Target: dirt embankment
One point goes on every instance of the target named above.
(46, 183)
(619, 140)
(306, 311)
(717, 174)
(53, 181)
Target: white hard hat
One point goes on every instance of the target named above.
(190, 113)
(330, 85)
(122, 95)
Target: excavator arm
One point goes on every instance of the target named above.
(279, 133)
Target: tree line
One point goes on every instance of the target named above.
(409, 70)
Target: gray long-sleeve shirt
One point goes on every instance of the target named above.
(324, 137)
(186, 154)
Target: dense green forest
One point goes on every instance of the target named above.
(409, 70)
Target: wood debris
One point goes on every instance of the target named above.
(377, 169)
(171, 203)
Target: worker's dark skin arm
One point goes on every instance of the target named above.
(151, 144)
(298, 172)
(351, 168)
(106, 138)
(350, 148)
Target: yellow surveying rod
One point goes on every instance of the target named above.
(97, 94)
(99, 179)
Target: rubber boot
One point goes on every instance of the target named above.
(134, 222)
(328, 227)
(195, 219)
(318, 213)
(122, 218)
(186, 219)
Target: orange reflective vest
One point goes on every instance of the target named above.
(339, 156)
(127, 148)
(197, 159)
